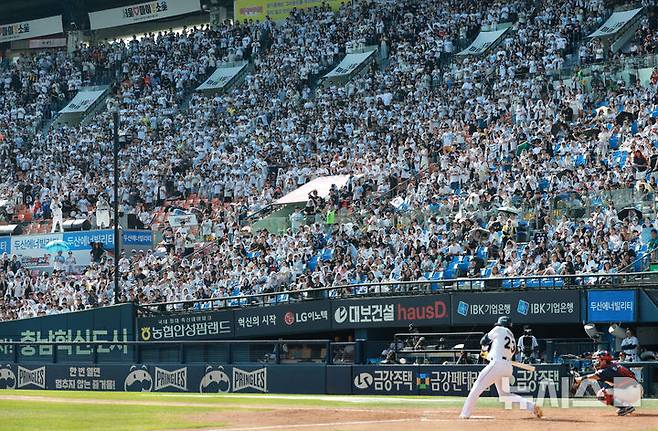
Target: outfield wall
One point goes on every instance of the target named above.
(113, 325)
(439, 380)
(118, 325)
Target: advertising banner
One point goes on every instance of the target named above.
(113, 324)
(483, 41)
(221, 77)
(349, 64)
(311, 316)
(611, 305)
(192, 326)
(5, 244)
(180, 219)
(545, 306)
(425, 310)
(136, 238)
(443, 380)
(31, 249)
(301, 379)
(55, 42)
(82, 240)
(141, 12)
(616, 22)
(82, 101)
(449, 380)
(32, 28)
(258, 10)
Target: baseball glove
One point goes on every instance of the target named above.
(576, 379)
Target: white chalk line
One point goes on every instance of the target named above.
(338, 424)
(338, 398)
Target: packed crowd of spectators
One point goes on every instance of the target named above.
(34, 86)
(452, 141)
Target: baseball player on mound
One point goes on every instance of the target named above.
(502, 346)
(627, 391)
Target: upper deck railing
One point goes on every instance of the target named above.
(417, 287)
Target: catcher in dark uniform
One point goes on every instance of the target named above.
(619, 386)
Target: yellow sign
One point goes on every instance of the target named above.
(257, 10)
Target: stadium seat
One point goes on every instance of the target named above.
(327, 254)
(552, 282)
(619, 158)
(533, 282)
(579, 160)
(312, 263)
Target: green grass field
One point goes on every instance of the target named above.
(119, 411)
(29, 415)
(111, 410)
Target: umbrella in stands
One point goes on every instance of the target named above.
(523, 147)
(57, 245)
(509, 210)
(590, 133)
(627, 212)
(625, 116)
(479, 234)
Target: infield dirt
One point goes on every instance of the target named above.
(486, 419)
(263, 414)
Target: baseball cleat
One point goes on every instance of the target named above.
(463, 417)
(623, 411)
(538, 412)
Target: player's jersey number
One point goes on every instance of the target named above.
(510, 344)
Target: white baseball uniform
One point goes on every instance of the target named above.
(58, 219)
(629, 346)
(501, 351)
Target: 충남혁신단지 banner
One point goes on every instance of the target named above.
(615, 23)
(32, 28)
(113, 324)
(483, 41)
(276, 10)
(221, 77)
(82, 101)
(141, 12)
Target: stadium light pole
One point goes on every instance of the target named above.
(115, 150)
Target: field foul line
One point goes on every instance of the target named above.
(325, 424)
(334, 424)
(342, 399)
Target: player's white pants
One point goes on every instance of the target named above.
(494, 374)
(57, 224)
(102, 218)
(627, 392)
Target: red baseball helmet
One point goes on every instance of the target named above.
(601, 359)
